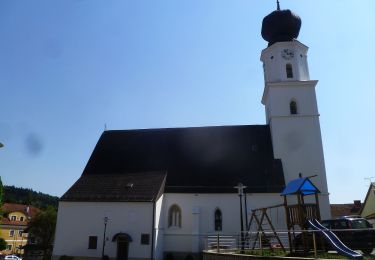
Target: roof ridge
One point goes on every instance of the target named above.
(184, 127)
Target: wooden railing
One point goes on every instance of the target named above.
(297, 214)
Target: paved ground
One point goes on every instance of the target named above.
(372, 254)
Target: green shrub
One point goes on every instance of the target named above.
(3, 244)
(189, 257)
(66, 257)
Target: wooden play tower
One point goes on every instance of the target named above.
(298, 214)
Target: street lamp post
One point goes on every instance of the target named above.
(240, 187)
(105, 229)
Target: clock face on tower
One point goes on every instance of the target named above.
(287, 54)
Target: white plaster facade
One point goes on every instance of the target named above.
(198, 217)
(76, 221)
(79, 220)
(296, 138)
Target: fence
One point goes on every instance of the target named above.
(303, 242)
(247, 241)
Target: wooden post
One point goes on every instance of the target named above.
(303, 207)
(259, 230)
(315, 250)
(317, 207)
(300, 212)
(274, 232)
(247, 235)
(260, 243)
(288, 223)
(301, 221)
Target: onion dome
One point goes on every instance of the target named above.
(280, 26)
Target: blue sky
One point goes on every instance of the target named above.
(69, 67)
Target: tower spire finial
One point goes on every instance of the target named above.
(278, 5)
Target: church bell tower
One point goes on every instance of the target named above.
(290, 103)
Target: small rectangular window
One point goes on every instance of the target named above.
(11, 233)
(93, 242)
(9, 247)
(21, 218)
(145, 239)
(289, 71)
(13, 218)
(20, 233)
(218, 220)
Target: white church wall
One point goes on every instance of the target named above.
(278, 55)
(280, 95)
(298, 144)
(198, 209)
(159, 228)
(78, 220)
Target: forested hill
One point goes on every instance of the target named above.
(28, 196)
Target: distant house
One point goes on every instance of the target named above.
(348, 209)
(368, 209)
(13, 224)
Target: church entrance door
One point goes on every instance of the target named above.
(123, 240)
(122, 249)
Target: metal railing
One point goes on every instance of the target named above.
(304, 242)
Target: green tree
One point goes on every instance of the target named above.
(1, 192)
(3, 244)
(1, 197)
(29, 197)
(42, 228)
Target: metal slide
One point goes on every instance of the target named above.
(334, 240)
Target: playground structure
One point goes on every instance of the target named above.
(301, 215)
(296, 215)
(266, 234)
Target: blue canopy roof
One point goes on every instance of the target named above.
(300, 186)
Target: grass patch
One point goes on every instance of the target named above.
(324, 255)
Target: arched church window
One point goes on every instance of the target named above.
(174, 216)
(218, 220)
(289, 71)
(293, 107)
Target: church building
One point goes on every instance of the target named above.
(146, 193)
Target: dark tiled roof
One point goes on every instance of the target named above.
(197, 159)
(339, 210)
(139, 187)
